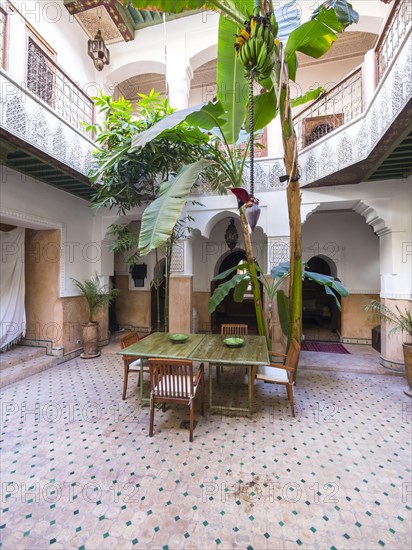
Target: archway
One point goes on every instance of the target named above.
(321, 318)
(229, 311)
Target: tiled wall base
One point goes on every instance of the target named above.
(392, 365)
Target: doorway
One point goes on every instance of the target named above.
(229, 311)
(321, 317)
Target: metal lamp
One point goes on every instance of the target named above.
(98, 51)
(231, 235)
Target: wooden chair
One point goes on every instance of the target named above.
(131, 364)
(172, 381)
(277, 373)
(228, 329)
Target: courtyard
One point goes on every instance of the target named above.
(80, 471)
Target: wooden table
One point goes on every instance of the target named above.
(205, 348)
(253, 353)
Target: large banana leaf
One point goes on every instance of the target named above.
(313, 38)
(205, 117)
(264, 108)
(232, 87)
(161, 215)
(343, 9)
(282, 301)
(223, 290)
(332, 286)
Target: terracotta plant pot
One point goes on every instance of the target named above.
(407, 353)
(90, 340)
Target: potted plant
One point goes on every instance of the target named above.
(401, 321)
(97, 297)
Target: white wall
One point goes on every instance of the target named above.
(350, 243)
(28, 202)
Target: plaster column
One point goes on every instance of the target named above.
(396, 291)
(277, 251)
(181, 288)
(178, 75)
(368, 78)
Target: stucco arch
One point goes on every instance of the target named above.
(135, 68)
(203, 56)
(209, 224)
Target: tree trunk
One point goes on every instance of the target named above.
(295, 227)
(253, 275)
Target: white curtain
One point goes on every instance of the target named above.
(12, 287)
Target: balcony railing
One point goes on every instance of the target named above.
(395, 29)
(50, 84)
(339, 105)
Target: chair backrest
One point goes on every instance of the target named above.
(292, 357)
(172, 378)
(127, 340)
(233, 329)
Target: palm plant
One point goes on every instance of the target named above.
(401, 321)
(96, 296)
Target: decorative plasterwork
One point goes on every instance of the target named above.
(113, 18)
(355, 141)
(23, 115)
(177, 264)
(372, 218)
(278, 251)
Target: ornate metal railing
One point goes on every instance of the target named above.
(339, 105)
(50, 84)
(395, 29)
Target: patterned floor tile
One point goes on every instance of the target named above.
(79, 470)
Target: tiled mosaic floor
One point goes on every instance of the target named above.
(79, 470)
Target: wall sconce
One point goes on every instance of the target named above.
(98, 51)
(231, 235)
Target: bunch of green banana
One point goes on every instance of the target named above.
(255, 45)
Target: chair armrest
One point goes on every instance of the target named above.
(273, 354)
(199, 374)
(284, 367)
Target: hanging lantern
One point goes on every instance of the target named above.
(98, 51)
(231, 235)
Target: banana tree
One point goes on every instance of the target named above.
(260, 55)
(224, 166)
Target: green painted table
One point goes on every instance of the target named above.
(253, 353)
(205, 348)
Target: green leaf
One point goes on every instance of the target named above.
(282, 301)
(279, 270)
(310, 95)
(231, 84)
(326, 280)
(313, 38)
(345, 13)
(209, 116)
(265, 109)
(223, 290)
(240, 290)
(140, 140)
(161, 215)
(225, 274)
